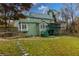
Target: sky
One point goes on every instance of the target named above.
(43, 7)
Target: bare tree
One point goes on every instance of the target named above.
(13, 11)
(65, 16)
(68, 13)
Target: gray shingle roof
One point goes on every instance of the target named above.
(36, 15)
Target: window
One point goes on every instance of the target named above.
(23, 26)
(19, 27)
(43, 26)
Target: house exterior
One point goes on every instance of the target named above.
(63, 26)
(35, 24)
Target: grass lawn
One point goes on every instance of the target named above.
(38, 46)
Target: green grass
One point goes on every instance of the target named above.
(9, 48)
(38, 46)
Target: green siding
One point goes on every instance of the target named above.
(33, 29)
(34, 20)
(54, 27)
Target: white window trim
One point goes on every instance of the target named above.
(21, 29)
(42, 26)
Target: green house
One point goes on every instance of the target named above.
(35, 24)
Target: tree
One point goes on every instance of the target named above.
(65, 16)
(68, 13)
(54, 13)
(13, 11)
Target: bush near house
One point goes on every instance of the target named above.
(44, 33)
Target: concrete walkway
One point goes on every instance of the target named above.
(30, 38)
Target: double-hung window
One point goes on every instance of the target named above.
(23, 26)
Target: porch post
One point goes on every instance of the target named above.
(21, 26)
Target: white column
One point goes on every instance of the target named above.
(21, 26)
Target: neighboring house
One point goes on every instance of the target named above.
(63, 26)
(35, 24)
(76, 26)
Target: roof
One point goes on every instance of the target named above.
(37, 15)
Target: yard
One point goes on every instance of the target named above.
(42, 46)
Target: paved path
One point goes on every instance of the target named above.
(30, 38)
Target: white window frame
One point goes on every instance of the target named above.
(42, 26)
(21, 24)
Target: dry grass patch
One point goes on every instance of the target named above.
(46, 46)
